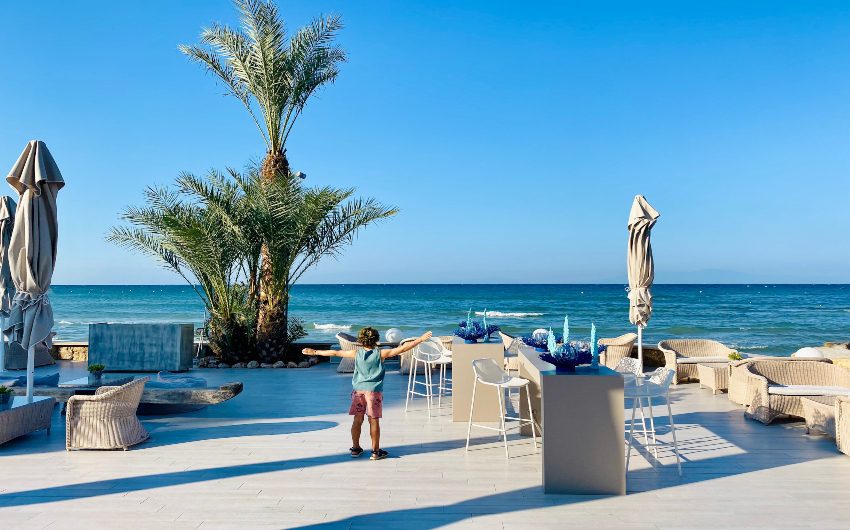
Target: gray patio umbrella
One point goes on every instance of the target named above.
(32, 249)
(7, 286)
(641, 266)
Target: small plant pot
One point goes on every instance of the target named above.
(5, 398)
(95, 378)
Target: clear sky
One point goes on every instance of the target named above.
(512, 135)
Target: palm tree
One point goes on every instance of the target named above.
(211, 230)
(273, 78)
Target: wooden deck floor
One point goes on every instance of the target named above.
(276, 457)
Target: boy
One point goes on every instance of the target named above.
(368, 383)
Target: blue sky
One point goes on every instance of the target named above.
(513, 136)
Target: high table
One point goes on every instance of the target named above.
(487, 397)
(583, 451)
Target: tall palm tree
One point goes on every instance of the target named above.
(273, 78)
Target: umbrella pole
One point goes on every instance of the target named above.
(640, 346)
(30, 371)
(3, 349)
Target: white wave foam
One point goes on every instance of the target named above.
(65, 322)
(330, 327)
(500, 314)
(747, 347)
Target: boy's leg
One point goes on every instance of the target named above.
(355, 430)
(375, 432)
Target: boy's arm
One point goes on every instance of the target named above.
(407, 347)
(329, 353)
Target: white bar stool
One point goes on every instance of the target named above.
(488, 372)
(657, 386)
(443, 388)
(428, 356)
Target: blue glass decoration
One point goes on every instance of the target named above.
(551, 344)
(486, 338)
(566, 328)
(593, 347)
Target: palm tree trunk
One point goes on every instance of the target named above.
(272, 336)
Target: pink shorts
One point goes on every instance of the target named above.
(366, 402)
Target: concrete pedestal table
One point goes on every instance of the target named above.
(581, 415)
(487, 398)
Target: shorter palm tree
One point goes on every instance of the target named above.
(212, 231)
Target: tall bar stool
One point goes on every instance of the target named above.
(428, 356)
(442, 388)
(657, 386)
(488, 372)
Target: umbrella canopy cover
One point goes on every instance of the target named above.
(641, 267)
(7, 222)
(32, 248)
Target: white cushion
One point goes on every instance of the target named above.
(701, 360)
(808, 390)
(808, 353)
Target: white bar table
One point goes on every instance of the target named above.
(487, 398)
(584, 429)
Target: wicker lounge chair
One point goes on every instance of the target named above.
(106, 420)
(739, 379)
(346, 342)
(16, 356)
(776, 387)
(616, 349)
(683, 355)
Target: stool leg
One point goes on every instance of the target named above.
(471, 410)
(673, 430)
(631, 433)
(440, 388)
(530, 414)
(643, 422)
(428, 386)
(500, 393)
(411, 369)
(652, 428)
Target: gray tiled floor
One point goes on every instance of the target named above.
(275, 457)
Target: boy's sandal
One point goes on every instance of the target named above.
(380, 454)
(355, 451)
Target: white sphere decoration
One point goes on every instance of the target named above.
(540, 332)
(808, 353)
(393, 335)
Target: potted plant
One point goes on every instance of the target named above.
(735, 356)
(5, 395)
(96, 373)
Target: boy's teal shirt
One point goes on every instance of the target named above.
(368, 370)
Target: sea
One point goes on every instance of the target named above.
(754, 318)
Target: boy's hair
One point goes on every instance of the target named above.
(368, 338)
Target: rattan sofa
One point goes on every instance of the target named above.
(106, 420)
(683, 355)
(776, 387)
(616, 349)
(739, 381)
(346, 342)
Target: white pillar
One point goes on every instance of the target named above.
(30, 371)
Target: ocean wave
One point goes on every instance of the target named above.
(330, 327)
(500, 314)
(747, 347)
(65, 322)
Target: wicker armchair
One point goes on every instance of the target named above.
(683, 355)
(616, 349)
(776, 387)
(106, 420)
(739, 391)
